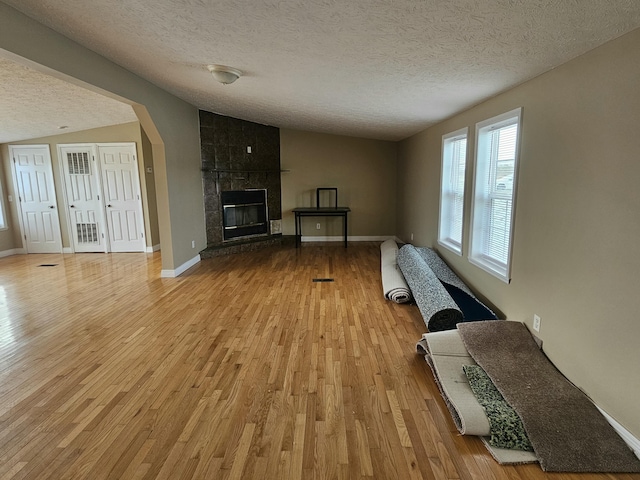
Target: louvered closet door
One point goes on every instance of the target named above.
(83, 197)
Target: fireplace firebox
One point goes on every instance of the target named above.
(244, 213)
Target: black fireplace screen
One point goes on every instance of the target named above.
(244, 213)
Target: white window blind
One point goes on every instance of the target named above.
(494, 194)
(454, 155)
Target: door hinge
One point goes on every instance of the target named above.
(25, 237)
(98, 197)
(103, 235)
(138, 197)
(142, 235)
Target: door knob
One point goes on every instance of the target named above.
(109, 206)
(72, 206)
(51, 206)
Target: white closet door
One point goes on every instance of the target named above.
(38, 206)
(121, 189)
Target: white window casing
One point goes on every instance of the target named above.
(494, 193)
(3, 218)
(452, 188)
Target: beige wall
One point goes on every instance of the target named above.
(126, 132)
(170, 123)
(575, 261)
(151, 206)
(364, 171)
(7, 241)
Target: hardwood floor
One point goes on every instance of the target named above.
(241, 368)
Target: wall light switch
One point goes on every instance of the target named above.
(10, 198)
(248, 149)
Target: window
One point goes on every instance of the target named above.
(454, 154)
(494, 193)
(3, 221)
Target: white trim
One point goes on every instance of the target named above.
(13, 251)
(451, 247)
(626, 435)
(155, 248)
(340, 238)
(181, 269)
(67, 250)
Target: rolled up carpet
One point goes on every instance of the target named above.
(438, 309)
(472, 308)
(394, 286)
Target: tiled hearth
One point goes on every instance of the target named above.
(238, 155)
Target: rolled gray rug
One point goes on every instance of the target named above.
(472, 308)
(438, 309)
(394, 286)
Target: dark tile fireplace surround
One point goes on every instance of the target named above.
(238, 156)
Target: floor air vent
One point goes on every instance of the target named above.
(48, 265)
(322, 280)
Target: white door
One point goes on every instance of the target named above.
(121, 190)
(84, 206)
(37, 196)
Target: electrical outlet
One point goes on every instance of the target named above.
(248, 149)
(193, 244)
(536, 322)
(317, 226)
(412, 237)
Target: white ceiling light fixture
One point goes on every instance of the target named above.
(224, 74)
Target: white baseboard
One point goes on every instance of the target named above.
(155, 248)
(626, 435)
(13, 251)
(67, 250)
(340, 238)
(181, 269)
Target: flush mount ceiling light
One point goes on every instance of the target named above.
(223, 74)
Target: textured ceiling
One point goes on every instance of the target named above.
(35, 105)
(371, 68)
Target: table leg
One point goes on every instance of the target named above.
(345, 230)
(297, 221)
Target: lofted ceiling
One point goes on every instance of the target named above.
(368, 68)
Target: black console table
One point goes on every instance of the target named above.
(319, 212)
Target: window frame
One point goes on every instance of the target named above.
(445, 222)
(482, 194)
(4, 225)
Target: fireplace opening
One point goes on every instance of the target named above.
(244, 213)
